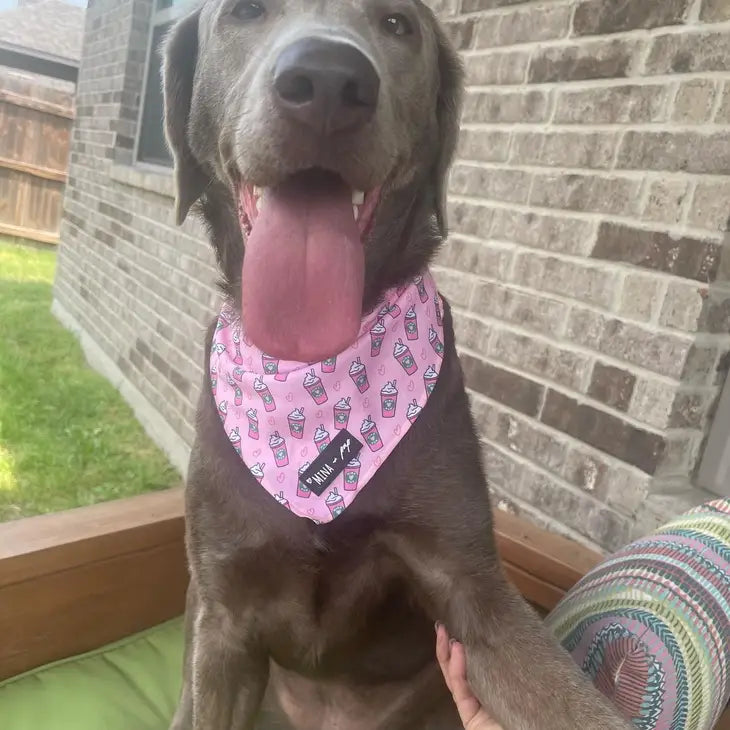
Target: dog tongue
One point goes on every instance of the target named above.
(303, 272)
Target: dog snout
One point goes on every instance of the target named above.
(326, 85)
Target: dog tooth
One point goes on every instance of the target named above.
(355, 212)
(358, 197)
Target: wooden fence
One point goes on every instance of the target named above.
(35, 135)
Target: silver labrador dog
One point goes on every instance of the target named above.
(291, 624)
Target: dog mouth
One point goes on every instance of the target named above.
(252, 199)
(304, 268)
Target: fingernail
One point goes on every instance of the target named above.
(437, 626)
(452, 642)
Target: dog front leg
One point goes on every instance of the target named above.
(515, 668)
(229, 673)
(183, 719)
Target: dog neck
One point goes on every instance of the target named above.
(314, 434)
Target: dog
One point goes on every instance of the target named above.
(290, 107)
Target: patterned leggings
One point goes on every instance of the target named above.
(651, 624)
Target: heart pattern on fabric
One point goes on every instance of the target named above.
(399, 350)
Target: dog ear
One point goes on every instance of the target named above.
(448, 115)
(179, 58)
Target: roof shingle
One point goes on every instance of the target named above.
(49, 27)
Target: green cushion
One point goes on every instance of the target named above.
(130, 685)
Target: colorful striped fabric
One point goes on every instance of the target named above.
(651, 625)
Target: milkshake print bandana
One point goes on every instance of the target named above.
(280, 416)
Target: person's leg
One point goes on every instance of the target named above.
(651, 624)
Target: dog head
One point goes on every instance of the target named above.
(321, 134)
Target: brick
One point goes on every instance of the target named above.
(604, 59)
(496, 184)
(470, 219)
(75, 220)
(715, 316)
(475, 257)
(691, 409)
(579, 281)
(664, 354)
(528, 310)
(710, 207)
(603, 431)
(683, 256)
(723, 112)
(556, 233)
(481, 146)
(597, 17)
(612, 105)
(627, 490)
(682, 306)
(612, 386)
(520, 435)
(578, 511)
(537, 357)
(443, 8)
(694, 101)
(686, 151)
(620, 488)
(614, 195)
(639, 297)
(652, 401)
(455, 287)
(714, 11)
(679, 455)
(471, 6)
(665, 201)
(511, 389)
(497, 67)
(683, 53)
(700, 365)
(460, 33)
(586, 471)
(513, 106)
(522, 26)
(564, 149)
(502, 469)
(471, 332)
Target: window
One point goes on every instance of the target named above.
(151, 145)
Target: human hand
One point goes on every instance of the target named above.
(452, 659)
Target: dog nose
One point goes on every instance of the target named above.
(329, 86)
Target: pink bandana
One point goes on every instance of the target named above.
(313, 435)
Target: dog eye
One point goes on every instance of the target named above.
(248, 10)
(397, 24)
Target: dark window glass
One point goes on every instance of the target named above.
(152, 146)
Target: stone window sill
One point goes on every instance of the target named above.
(146, 177)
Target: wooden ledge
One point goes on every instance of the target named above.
(76, 580)
(543, 566)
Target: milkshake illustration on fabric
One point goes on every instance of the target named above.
(284, 418)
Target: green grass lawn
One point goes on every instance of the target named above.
(66, 436)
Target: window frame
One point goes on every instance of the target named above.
(714, 473)
(158, 18)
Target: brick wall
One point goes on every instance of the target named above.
(140, 288)
(588, 208)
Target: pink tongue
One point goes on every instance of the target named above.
(303, 271)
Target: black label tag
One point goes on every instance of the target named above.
(331, 462)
